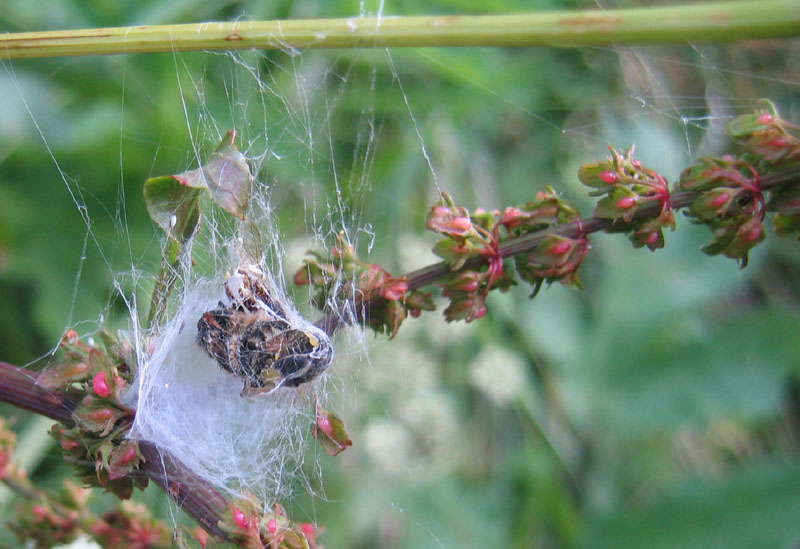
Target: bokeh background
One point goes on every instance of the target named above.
(659, 407)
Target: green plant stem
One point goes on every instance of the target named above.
(720, 21)
(437, 272)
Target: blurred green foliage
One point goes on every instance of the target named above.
(658, 408)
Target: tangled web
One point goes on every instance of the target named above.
(311, 125)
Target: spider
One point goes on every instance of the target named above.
(253, 338)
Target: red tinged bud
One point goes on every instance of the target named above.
(626, 202)
(324, 425)
(68, 445)
(240, 518)
(395, 290)
(778, 142)
(609, 177)
(560, 248)
(470, 286)
(100, 385)
(651, 238)
(301, 277)
(128, 456)
(765, 118)
(720, 199)
(751, 234)
(460, 224)
(511, 217)
(480, 312)
(101, 415)
(272, 526)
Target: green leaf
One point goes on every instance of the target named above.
(754, 506)
(172, 206)
(226, 176)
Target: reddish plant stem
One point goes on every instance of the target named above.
(195, 496)
(431, 274)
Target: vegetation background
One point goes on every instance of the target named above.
(660, 407)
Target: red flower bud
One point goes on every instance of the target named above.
(751, 234)
(609, 177)
(324, 424)
(272, 526)
(128, 456)
(651, 238)
(68, 445)
(560, 248)
(720, 199)
(301, 277)
(481, 312)
(626, 202)
(778, 142)
(100, 385)
(460, 224)
(240, 518)
(765, 118)
(511, 217)
(394, 290)
(103, 414)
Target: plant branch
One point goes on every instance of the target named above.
(195, 496)
(436, 272)
(705, 22)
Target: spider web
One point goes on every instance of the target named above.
(362, 142)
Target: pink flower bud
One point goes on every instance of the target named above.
(128, 456)
(626, 202)
(272, 526)
(103, 414)
(240, 518)
(71, 336)
(765, 118)
(68, 445)
(100, 384)
(481, 312)
(560, 248)
(39, 511)
(460, 224)
(608, 177)
(778, 142)
(511, 216)
(752, 234)
(651, 238)
(441, 211)
(324, 424)
(470, 286)
(395, 290)
(720, 199)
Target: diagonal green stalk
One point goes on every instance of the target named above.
(719, 21)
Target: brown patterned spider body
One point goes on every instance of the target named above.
(253, 338)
